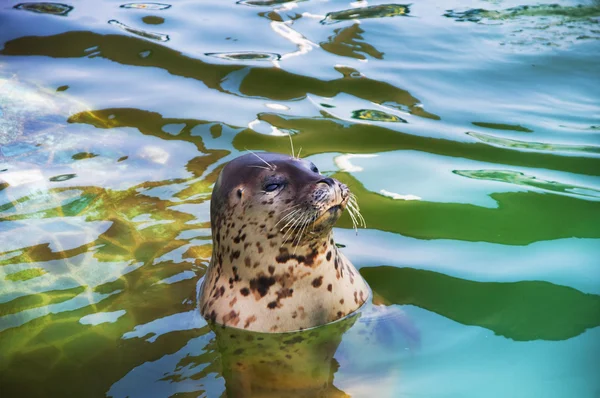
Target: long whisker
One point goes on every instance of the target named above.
(271, 167)
(301, 233)
(300, 150)
(260, 167)
(354, 203)
(291, 215)
(350, 213)
(352, 207)
(289, 232)
(287, 216)
(291, 144)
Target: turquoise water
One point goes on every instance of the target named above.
(469, 131)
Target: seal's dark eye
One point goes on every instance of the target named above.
(314, 168)
(271, 187)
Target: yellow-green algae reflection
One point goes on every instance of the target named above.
(469, 133)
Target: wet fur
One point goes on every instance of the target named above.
(269, 278)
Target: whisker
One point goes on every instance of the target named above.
(350, 213)
(271, 167)
(301, 232)
(259, 167)
(289, 221)
(354, 203)
(291, 144)
(294, 222)
(298, 156)
(290, 214)
(353, 208)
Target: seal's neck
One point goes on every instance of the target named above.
(244, 259)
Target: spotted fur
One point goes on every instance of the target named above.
(269, 277)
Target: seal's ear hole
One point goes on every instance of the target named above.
(239, 193)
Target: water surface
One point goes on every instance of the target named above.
(469, 131)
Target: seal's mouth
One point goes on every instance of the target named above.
(331, 215)
(335, 209)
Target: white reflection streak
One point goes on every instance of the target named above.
(398, 196)
(304, 45)
(343, 162)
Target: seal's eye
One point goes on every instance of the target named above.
(313, 168)
(271, 187)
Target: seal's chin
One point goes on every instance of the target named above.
(329, 216)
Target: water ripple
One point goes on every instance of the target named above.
(518, 178)
(379, 11)
(535, 146)
(46, 8)
(139, 32)
(146, 6)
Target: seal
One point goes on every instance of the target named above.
(275, 266)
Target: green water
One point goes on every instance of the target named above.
(469, 131)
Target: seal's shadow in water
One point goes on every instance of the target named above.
(294, 364)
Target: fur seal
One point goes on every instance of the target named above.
(275, 266)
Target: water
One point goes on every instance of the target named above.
(469, 130)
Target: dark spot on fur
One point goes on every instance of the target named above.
(317, 281)
(341, 301)
(283, 256)
(213, 316)
(249, 320)
(330, 287)
(245, 291)
(233, 317)
(328, 256)
(262, 284)
(247, 262)
(271, 269)
(272, 304)
(271, 236)
(234, 255)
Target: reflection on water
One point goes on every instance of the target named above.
(46, 8)
(139, 32)
(246, 56)
(146, 6)
(536, 146)
(378, 11)
(297, 364)
(542, 24)
(481, 247)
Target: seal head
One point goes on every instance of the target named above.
(275, 266)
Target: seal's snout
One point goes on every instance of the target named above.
(328, 181)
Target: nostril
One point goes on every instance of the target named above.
(328, 181)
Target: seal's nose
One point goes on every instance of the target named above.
(328, 181)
